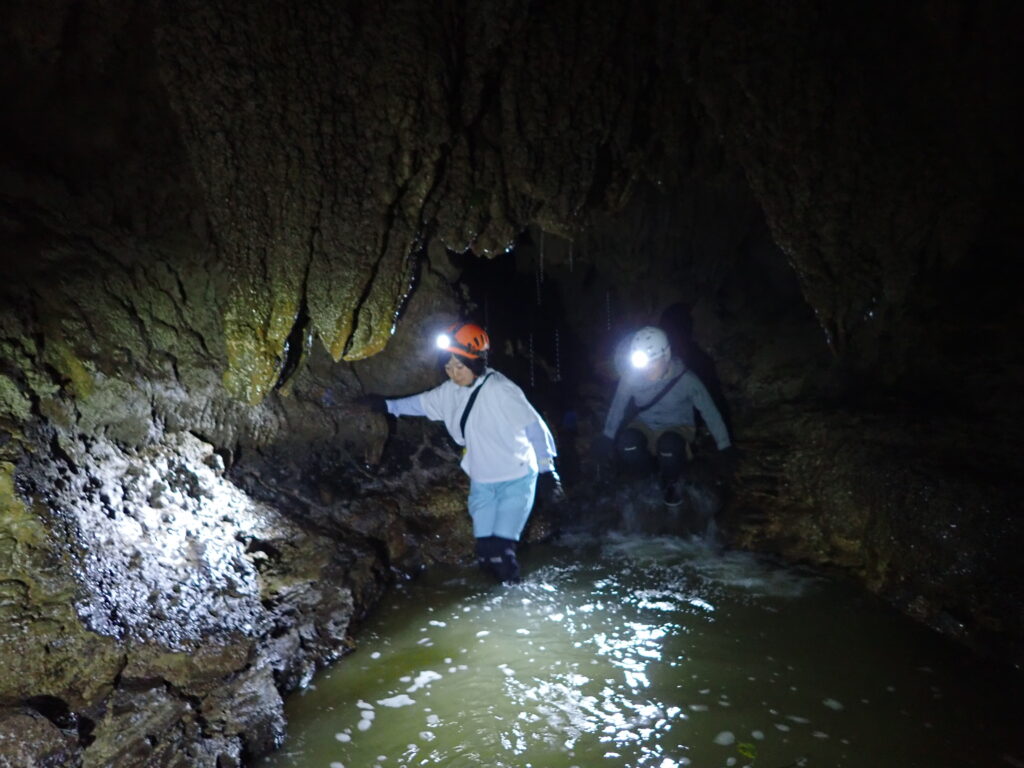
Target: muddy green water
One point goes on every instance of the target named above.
(640, 651)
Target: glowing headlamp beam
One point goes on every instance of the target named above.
(639, 359)
(443, 341)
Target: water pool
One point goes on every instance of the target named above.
(650, 651)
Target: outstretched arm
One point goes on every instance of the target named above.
(406, 406)
(709, 412)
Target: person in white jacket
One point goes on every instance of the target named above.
(657, 400)
(509, 452)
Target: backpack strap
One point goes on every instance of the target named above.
(469, 405)
(664, 391)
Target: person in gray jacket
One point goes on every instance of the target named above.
(657, 399)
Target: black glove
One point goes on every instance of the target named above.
(602, 449)
(549, 489)
(373, 403)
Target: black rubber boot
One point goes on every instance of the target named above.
(485, 550)
(672, 493)
(506, 565)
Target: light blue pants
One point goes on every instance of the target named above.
(501, 509)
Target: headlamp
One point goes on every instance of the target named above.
(443, 341)
(639, 359)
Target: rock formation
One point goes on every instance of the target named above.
(222, 223)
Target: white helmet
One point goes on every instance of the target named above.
(649, 344)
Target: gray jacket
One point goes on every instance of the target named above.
(674, 409)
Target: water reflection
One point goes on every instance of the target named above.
(644, 652)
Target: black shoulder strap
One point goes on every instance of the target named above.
(469, 405)
(661, 394)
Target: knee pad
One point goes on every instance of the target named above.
(671, 450)
(631, 447)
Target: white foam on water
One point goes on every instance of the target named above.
(433, 720)
(363, 705)
(375, 655)
(423, 679)
(725, 738)
(364, 725)
(369, 714)
(820, 735)
(833, 704)
(344, 738)
(427, 736)
(337, 765)
(739, 570)
(401, 700)
(782, 727)
(757, 735)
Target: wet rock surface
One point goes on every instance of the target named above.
(914, 508)
(164, 618)
(29, 738)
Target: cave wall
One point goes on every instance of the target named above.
(213, 217)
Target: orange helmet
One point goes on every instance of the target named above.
(465, 339)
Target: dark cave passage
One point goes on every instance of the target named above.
(226, 232)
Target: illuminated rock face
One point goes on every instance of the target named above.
(205, 208)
